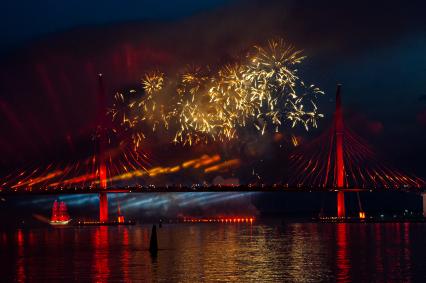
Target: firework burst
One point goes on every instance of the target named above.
(199, 105)
(153, 82)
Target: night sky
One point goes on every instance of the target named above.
(375, 50)
(51, 51)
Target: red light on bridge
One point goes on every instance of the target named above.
(220, 220)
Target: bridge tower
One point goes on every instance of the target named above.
(424, 204)
(103, 197)
(339, 163)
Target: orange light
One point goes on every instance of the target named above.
(220, 220)
(362, 215)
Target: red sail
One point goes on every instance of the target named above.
(59, 212)
(63, 213)
(54, 211)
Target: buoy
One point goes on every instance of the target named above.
(153, 243)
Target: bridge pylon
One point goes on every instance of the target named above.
(339, 163)
(424, 204)
(102, 170)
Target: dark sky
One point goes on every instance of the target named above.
(50, 52)
(28, 20)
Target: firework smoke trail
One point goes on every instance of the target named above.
(200, 105)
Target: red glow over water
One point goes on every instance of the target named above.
(195, 252)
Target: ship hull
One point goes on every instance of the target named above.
(60, 223)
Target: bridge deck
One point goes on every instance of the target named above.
(176, 189)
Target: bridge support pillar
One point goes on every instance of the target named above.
(424, 204)
(341, 210)
(103, 207)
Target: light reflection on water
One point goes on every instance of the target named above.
(299, 252)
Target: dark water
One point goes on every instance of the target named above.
(218, 252)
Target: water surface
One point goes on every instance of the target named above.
(299, 252)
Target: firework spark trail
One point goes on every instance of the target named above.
(263, 91)
(124, 167)
(200, 105)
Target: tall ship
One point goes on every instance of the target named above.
(60, 214)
